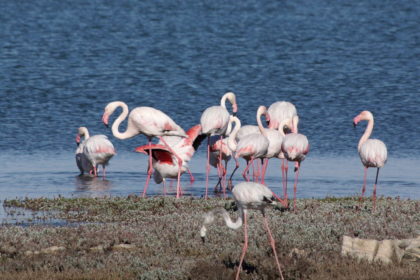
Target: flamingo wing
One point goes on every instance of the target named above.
(160, 153)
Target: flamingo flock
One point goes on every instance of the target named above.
(227, 139)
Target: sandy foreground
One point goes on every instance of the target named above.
(158, 238)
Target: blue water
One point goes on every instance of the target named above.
(61, 62)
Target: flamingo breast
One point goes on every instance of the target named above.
(295, 146)
(252, 145)
(214, 120)
(373, 153)
(99, 150)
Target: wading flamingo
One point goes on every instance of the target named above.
(97, 150)
(372, 152)
(248, 195)
(295, 147)
(216, 148)
(82, 162)
(214, 121)
(250, 147)
(150, 122)
(279, 111)
(165, 164)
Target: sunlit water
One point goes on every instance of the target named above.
(61, 62)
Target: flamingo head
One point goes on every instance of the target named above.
(232, 99)
(105, 119)
(77, 139)
(81, 132)
(363, 116)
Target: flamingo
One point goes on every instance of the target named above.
(165, 163)
(372, 152)
(220, 147)
(281, 110)
(250, 147)
(150, 122)
(82, 162)
(214, 121)
(247, 195)
(295, 147)
(97, 150)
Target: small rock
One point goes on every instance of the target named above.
(52, 250)
(28, 253)
(123, 247)
(99, 249)
(298, 253)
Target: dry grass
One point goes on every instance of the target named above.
(164, 233)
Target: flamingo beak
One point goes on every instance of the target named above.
(105, 119)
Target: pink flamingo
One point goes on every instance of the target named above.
(250, 147)
(150, 122)
(372, 152)
(295, 147)
(281, 110)
(219, 150)
(214, 121)
(165, 163)
(247, 195)
(97, 150)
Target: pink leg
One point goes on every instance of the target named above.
(264, 170)
(273, 245)
(364, 186)
(283, 175)
(207, 167)
(374, 190)
(286, 171)
(191, 176)
(244, 174)
(103, 172)
(178, 186)
(149, 170)
(295, 189)
(245, 246)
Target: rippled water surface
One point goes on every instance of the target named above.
(61, 62)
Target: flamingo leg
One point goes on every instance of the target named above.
(191, 176)
(265, 165)
(247, 168)
(374, 189)
(103, 172)
(295, 188)
(149, 169)
(364, 186)
(234, 170)
(207, 167)
(283, 168)
(178, 186)
(244, 248)
(286, 171)
(273, 245)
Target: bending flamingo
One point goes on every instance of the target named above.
(279, 111)
(165, 164)
(214, 121)
(150, 122)
(248, 195)
(97, 150)
(295, 147)
(372, 152)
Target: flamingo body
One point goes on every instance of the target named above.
(295, 146)
(245, 130)
(99, 150)
(252, 146)
(373, 153)
(82, 161)
(279, 111)
(214, 120)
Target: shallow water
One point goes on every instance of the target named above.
(61, 62)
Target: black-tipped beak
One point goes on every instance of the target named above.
(77, 144)
(296, 168)
(203, 239)
(234, 114)
(106, 125)
(354, 124)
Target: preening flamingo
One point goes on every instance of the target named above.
(372, 152)
(150, 122)
(250, 147)
(248, 195)
(295, 147)
(82, 162)
(279, 111)
(165, 164)
(214, 121)
(98, 150)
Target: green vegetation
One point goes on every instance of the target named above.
(158, 238)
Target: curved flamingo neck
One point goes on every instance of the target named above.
(368, 132)
(281, 125)
(232, 137)
(85, 132)
(232, 99)
(130, 131)
(261, 110)
(295, 122)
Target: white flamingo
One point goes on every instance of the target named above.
(281, 110)
(165, 163)
(248, 195)
(214, 121)
(97, 150)
(150, 122)
(82, 162)
(372, 152)
(295, 147)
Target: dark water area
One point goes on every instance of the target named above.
(61, 62)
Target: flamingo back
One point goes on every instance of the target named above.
(373, 153)
(214, 120)
(279, 111)
(99, 150)
(275, 140)
(245, 130)
(250, 195)
(295, 146)
(252, 145)
(153, 122)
